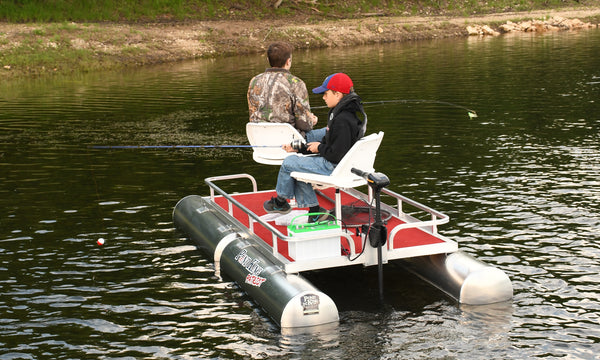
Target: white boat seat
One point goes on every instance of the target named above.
(267, 138)
(360, 156)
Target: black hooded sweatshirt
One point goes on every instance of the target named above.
(344, 128)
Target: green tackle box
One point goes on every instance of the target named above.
(326, 246)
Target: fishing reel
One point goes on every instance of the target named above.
(298, 145)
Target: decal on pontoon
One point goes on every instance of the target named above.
(310, 304)
(250, 264)
(255, 280)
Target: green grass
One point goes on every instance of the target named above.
(19, 11)
(49, 48)
(41, 57)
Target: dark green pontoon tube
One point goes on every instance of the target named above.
(289, 299)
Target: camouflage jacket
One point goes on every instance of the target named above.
(278, 96)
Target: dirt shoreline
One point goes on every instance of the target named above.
(63, 48)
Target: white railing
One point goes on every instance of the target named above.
(437, 218)
(252, 217)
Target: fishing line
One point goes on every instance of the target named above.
(100, 241)
(178, 146)
(472, 113)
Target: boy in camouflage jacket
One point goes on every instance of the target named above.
(278, 96)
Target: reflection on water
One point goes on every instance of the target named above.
(520, 183)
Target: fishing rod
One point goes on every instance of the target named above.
(472, 113)
(178, 146)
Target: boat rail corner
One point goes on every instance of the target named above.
(252, 217)
(210, 182)
(437, 217)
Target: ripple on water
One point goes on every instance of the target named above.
(520, 183)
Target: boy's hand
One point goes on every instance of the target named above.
(313, 147)
(288, 148)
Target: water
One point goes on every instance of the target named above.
(521, 183)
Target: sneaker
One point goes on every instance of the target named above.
(323, 215)
(272, 206)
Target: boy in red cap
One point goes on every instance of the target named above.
(344, 128)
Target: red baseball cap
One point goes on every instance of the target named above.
(337, 82)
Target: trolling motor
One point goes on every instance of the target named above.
(378, 232)
(377, 181)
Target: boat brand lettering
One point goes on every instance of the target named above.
(255, 280)
(310, 304)
(253, 268)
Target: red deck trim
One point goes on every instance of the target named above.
(254, 202)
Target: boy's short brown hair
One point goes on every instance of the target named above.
(278, 53)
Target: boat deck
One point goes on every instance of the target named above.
(407, 235)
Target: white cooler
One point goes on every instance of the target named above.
(324, 247)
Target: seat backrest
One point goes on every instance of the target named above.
(267, 138)
(360, 156)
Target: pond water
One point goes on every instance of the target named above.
(521, 183)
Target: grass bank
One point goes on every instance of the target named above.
(72, 36)
(185, 10)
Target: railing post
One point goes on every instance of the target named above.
(275, 240)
